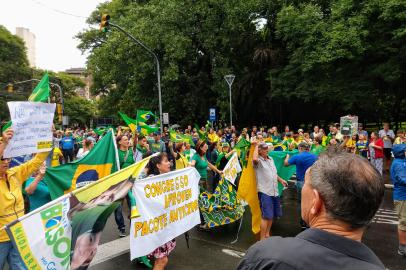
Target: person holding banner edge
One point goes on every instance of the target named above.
(160, 164)
(11, 198)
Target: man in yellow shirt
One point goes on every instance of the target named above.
(11, 199)
(213, 137)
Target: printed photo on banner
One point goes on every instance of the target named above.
(32, 125)
(168, 207)
(71, 226)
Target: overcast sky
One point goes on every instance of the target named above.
(56, 46)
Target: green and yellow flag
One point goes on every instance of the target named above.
(146, 117)
(202, 135)
(41, 91)
(247, 190)
(100, 162)
(176, 137)
(146, 129)
(131, 123)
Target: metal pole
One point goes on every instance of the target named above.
(157, 67)
(231, 110)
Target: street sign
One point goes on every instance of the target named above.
(165, 117)
(65, 120)
(212, 114)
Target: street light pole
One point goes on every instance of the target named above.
(230, 79)
(157, 66)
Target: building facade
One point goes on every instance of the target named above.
(29, 39)
(81, 73)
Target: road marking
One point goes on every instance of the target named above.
(110, 250)
(115, 248)
(233, 253)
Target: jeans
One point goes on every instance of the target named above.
(299, 186)
(118, 216)
(68, 155)
(10, 253)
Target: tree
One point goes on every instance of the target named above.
(79, 110)
(296, 62)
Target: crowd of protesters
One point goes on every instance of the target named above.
(210, 155)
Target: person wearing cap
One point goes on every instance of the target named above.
(157, 145)
(267, 186)
(303, 161)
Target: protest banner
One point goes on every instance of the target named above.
(232, 169)
(168, 205)
(65, 233)
(32, 125)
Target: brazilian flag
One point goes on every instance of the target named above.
(100, 162)
(131, 123)
(146, 117)
(176, 137)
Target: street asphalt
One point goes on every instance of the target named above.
(213, 249)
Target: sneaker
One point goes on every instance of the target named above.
(401, 252)
(122, 233)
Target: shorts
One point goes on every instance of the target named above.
(387, 152)
(400, 207)
(270, 206)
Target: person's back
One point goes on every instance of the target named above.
(312, 249)
(398, 172)
(341, 194)
(303, 161)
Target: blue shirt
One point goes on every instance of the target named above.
(67, 143)
(41, 195)
(398, 172)
(302, 161)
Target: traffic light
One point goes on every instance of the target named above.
(10, 88)
(104, 23)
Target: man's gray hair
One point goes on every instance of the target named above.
(350, 187)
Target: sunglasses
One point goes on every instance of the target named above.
(5, 159)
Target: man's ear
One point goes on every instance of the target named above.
(317, 203)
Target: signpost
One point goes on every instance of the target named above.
(165, 118)
(212, 115)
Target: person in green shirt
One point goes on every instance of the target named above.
(36, 190)
(126, 158)
(317, 148)
(142, 147)
(200, 162)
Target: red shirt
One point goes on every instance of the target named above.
(379, 152)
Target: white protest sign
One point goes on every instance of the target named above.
(43, 238)
(168, 205)
(32, 125)
(232, 169)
